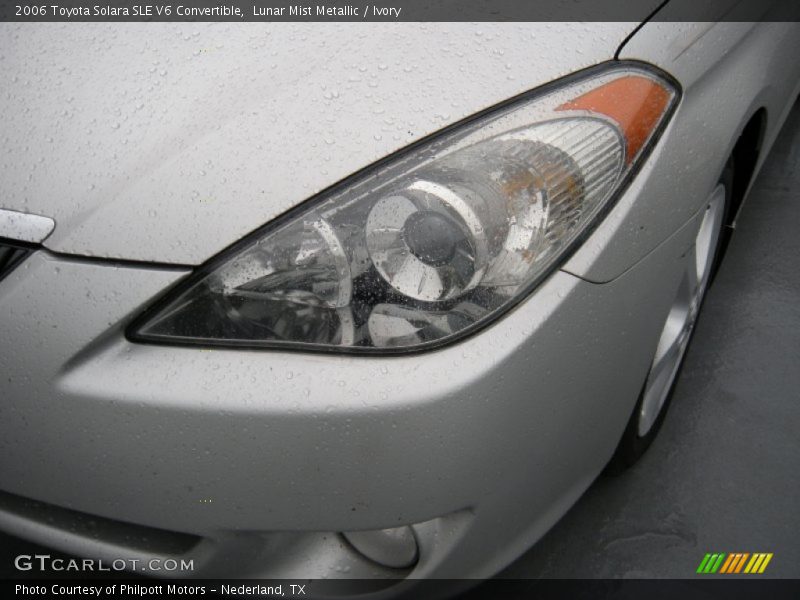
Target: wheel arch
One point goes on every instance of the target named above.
(746, 153)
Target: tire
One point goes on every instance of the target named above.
(659, 386)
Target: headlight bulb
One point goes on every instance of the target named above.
(429, 241)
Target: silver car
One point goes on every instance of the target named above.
(354, 300)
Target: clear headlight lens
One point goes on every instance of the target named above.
(439, 240)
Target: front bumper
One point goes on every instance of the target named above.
(262, 456)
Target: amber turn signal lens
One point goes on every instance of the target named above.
(635, 102)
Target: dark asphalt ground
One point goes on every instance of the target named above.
(724, 473)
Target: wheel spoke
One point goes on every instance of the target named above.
(680, 320)
(693, 278)
(667, 363)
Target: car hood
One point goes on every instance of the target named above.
(168, 142)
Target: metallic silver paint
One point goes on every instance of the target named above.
(482, 444)
(727, 74)
(25, 227)
(143, 433)
(198, 141)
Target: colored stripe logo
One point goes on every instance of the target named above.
(736, 562)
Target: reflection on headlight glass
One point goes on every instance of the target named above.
(431, 245)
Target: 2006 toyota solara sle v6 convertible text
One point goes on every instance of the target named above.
(355, 300)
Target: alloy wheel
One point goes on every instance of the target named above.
(683, 314)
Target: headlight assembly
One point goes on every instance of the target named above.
(435, 242)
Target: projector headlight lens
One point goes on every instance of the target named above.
(438, 242)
